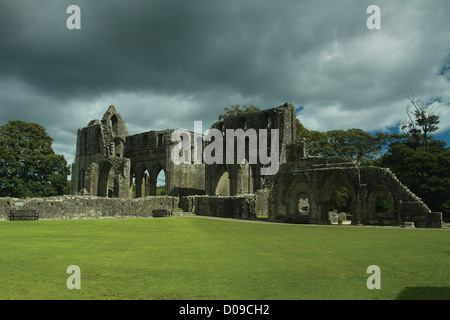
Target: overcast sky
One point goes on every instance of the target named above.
(166, 63)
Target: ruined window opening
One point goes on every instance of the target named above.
(381, 204)
(114, 125)
(161, 183)
(118, 148)
(223, 185)
(98, 139)
(182, 150)
(180, 147)
(116, 188)
(160, 139)
(340, 199)
(133, 186)
(104, 181)
(303, 206)
(84, 147)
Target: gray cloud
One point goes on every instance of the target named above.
(167, 63)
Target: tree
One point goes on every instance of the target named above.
(424, 170)
(420, 161)
(28, 165)
(422, 121)
(352, 143)
(237, 109)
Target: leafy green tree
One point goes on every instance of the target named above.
(352, 144)
(424, 170)
(237, 109)
(28, 166)
(317, 143)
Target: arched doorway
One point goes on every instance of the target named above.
(142, 182)
(338, 199)
(114, 125)
(300, 199)
(145, 184)
(381, 203)
(105, 183)
(161, 183)
(223, 184)
(133, 185)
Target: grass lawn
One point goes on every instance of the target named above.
(201, 258)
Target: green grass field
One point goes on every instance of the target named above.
(201, 258)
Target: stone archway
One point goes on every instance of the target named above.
(304, 205)
(328, 202)
(300, 201)
(104, 180)
(141, 180)
(222, 186)
(155, 172)
(381, 203)
(146, 178)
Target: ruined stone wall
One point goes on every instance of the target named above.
(238, 207)
(89, 207)
(312, 181)
(406, 206)
(151, 152)
(235, 178)
(100, 168)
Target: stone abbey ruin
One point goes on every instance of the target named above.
(114, 175)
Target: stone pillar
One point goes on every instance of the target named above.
(356, 211)
(233, 176)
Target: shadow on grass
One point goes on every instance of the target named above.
(424, 293)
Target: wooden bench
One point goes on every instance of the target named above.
(159, 213)
(21, 215)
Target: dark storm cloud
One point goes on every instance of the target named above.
(169, 46)
(167, 63)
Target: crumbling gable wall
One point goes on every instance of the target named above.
(150, 153)
(229, 179)
(100, 168)
(111, 163)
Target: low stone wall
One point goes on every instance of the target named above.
(238, 207)
(89, 207)
(246, 206)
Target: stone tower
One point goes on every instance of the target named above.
(100, 167)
